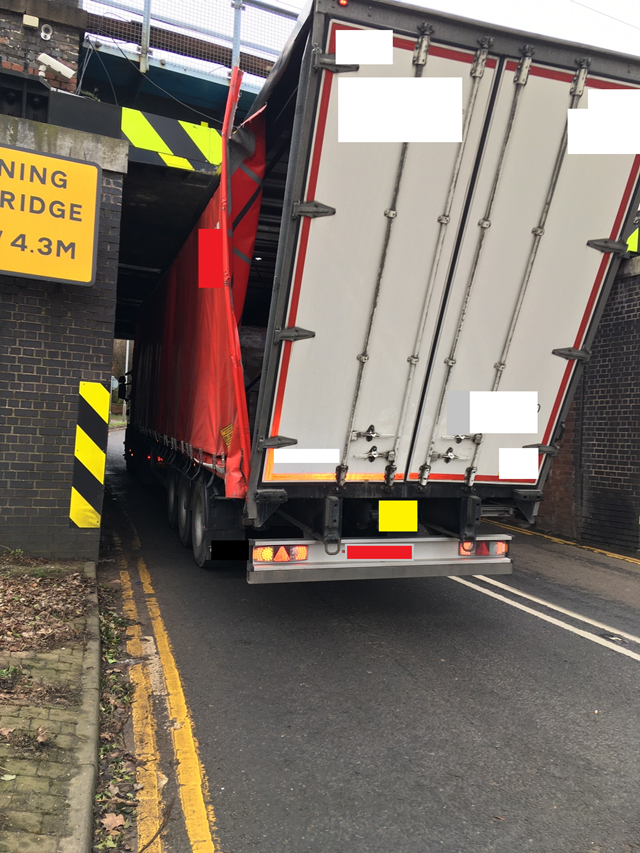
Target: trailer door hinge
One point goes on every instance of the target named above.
(548, 449)
(421, 50)
(572, 354)
(607, 245)
(580, 78)
(312, 209)
(327, 62)
(292, 333)
(522, 71)
(276, 441)
(480, 59)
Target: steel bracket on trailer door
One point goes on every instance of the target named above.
(607, 245)
(572, 354)
(276, 441)
(312, 209)
(292, 333)
(547, 449)
(327, 62)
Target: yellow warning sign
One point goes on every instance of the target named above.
(227, 434)
(48, 216)
(398, 515)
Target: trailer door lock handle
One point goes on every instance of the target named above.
(374, 453)
(369, 434)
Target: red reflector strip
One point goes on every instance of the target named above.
(379, 552)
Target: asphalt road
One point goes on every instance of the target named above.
(407, 715)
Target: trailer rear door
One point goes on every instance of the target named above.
(468, 282)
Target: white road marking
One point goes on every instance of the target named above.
(551, 619)
(558, 609)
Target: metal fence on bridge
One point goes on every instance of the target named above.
(198, 36)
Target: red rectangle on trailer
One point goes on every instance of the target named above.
(210, 265)
(379, 552)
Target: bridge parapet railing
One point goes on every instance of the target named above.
(199, 36)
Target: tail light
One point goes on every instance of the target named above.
(280, 553)
(483, 549)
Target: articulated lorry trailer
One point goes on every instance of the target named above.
(365, 347)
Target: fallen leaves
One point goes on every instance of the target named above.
(28, 744)
(112, 821)
(41, 612)
(23, 690)
(8, 777)
(6, 732)
(116, 794)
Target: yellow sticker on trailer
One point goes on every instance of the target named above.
(48, 216)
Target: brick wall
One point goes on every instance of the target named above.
(593, 492)
(558, 512)
(51, 337)
(19, 47)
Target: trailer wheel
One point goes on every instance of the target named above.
(172, 498)
(201, 544)
(184, 513)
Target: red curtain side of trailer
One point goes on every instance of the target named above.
(188, 379)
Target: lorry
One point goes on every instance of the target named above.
(293, 387)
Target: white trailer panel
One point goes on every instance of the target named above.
(479, 259)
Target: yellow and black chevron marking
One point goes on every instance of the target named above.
(92, 432)
(165, 141)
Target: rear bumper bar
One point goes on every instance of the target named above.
(436, 556)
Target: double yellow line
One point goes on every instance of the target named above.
(564, 542)
(198, 813)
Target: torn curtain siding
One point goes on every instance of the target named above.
(188, 368)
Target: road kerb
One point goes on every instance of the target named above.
(83, 784)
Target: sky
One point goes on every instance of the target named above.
(614, 24)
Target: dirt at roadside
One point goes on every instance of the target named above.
(42, 604)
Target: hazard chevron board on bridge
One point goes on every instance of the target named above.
(92, 432)
(162, 141)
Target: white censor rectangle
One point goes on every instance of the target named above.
(517, 463)
(364, 47)
(400, 109)
(506, 412)
(610, 124)
(300, 455)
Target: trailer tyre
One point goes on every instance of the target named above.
(172, 498)
(200, 542)
(183, 512)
